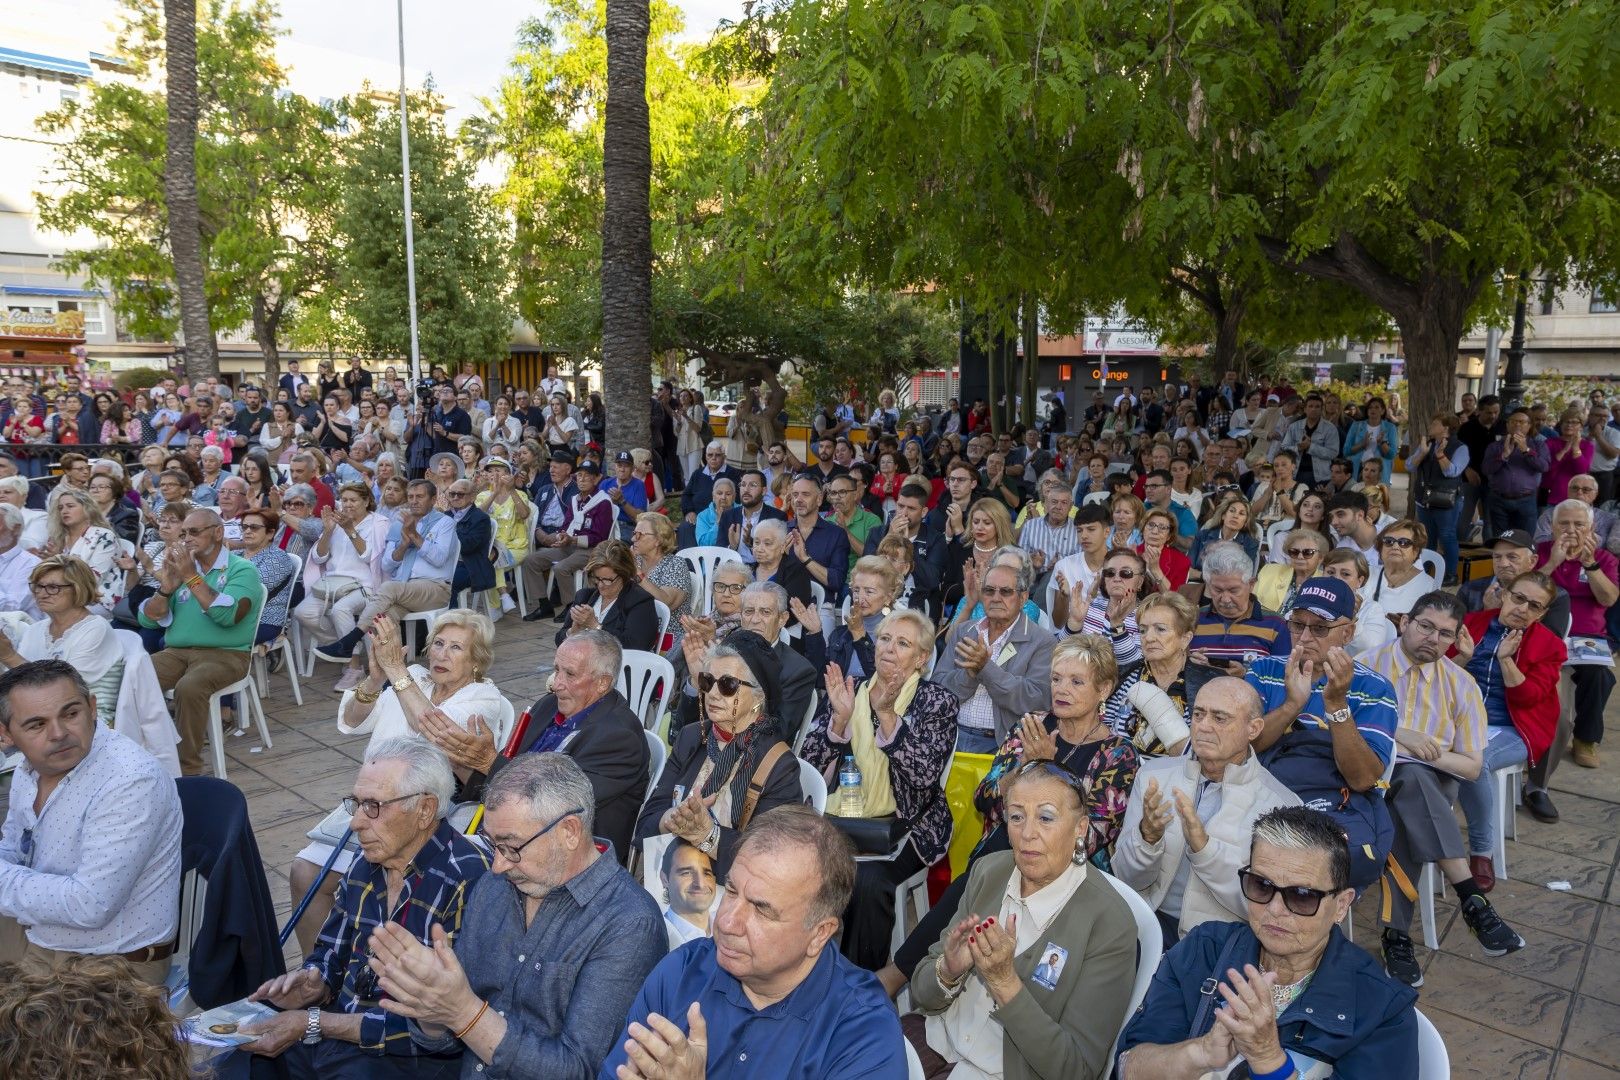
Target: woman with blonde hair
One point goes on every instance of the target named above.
(1278, 582)
(508, 507)
(1151, 705)
(65, 589)
(76, 526)
(1127, 512)
(664, 574)
(988, 529)
(1232, 520)
(642, 471)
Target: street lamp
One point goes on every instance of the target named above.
(1513, 388)
(410, 233)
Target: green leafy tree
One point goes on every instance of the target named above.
(265, 176)
(462, 276)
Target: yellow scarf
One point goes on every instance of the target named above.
(878, 796)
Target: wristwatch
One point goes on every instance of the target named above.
(312, 1028)
(402, 684)
(711, 841)
(1339, 716)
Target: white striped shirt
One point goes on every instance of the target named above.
(1059, 542)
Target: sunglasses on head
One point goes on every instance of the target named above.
(728, 684)
(1299, 899)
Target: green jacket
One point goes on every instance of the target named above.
(190, 626)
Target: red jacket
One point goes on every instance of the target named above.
(1533, 704)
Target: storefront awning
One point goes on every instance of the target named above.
(57, 65)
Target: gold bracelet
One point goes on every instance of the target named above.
(479, 1015)
(193, 581)
(364, 696)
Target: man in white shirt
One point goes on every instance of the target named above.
(16, 564)
(90, 850)
(1091, 525)
(688, 878)
(1350, 518)
(1605, 437)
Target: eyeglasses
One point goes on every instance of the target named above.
(454, 494)
(728, 684)
(513, 854)
(1301, 553)
(602, 580)
(1304, 629)
(249, 527)
(1005, 591)
(1424, 626)
(373, 807)
(1121, 575)
(732, 588)
(204, 531)
(46, 588)
(1397, 541)
(1299, 899)
(1520, 598)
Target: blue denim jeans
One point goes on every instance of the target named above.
(1512, 514)
(971, 741)
(1478, 797)
(1441, 526)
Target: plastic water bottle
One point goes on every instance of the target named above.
(851, 799)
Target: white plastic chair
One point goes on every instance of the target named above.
(1434, 563)
(249, 702)
(703, 560)
(517, 574)
(804, 728)
(1509, 793)
(914, 1069)
(659, 755)
(1094, 497)
(646, 680)
(193, 891)
(663, 620)
(290, 656)
(1149, 945)
(1273, 540)
(1428, 883)
(814, 787)
(1434, 1061)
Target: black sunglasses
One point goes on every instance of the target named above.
(1123, 575)
(1301, 553)
(728, 684)
(1299, 899)
(1397, 541)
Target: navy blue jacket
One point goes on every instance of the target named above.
(235, 950)
(1352, 1015)
(928, 557)
(476, 531)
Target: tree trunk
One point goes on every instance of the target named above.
(1429, 342)
(626, 230)
(266, 330)
(1032, 360)
(1228, 338)
(994, 384)
(180, 186)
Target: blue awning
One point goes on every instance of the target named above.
(40, 290)
(55, 64)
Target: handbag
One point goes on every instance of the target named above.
(330, 588)
(1436, 498)
(872, 836)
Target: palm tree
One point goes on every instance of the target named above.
(180, 185)
(626, 229)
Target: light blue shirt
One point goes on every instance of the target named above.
(432, 560)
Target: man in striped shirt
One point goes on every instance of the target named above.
(1330, 723)
(1441, 742)
(1234, 631)
(1051, 537)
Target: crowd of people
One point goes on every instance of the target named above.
(1180, 641)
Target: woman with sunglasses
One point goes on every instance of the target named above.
(1039, 898)
(1373, 628)
(1108, 606)
(1400, 580)
(1151, 705)
(1278, 582)
(1517, 662)
(733, 764)
(276, 569)
(900, 729)
(613, 600)
(1327, 1001)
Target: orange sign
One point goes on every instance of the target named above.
(1113, 376)
(65, 325)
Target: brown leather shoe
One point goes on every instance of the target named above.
(1484, 872)
(1584, 754)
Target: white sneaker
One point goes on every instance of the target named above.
(352, 677)
(507, 603)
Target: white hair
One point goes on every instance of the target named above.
(11, 518)
(212, 452)
(772, 527)
(778, 595)
(427, 770)
(1574, 504)
(19, 484)
(1226, 557)
(715, 444)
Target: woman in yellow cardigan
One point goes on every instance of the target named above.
(1275, 588)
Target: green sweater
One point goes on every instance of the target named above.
(191, 626)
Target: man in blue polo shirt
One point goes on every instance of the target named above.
(1156, 493)
(1234, 630)
(1330, 723)
(770, 994)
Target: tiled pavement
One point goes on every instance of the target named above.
(1549, 1011)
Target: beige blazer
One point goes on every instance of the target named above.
(1068, 1031)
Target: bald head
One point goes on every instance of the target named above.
(1226, 717)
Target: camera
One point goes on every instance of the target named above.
(425, 391)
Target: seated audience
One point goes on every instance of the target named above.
(207, 604)
(822, 546)
(130, 1033)
(1234, 630)
(753, 508)
(707, 525)
(613, 601)
(15, 492)
(662, 574)
(1278, 582)
(1589, 573)
(1150, 705)
(1111, 608)
(775, 562)
(100, 871)
(1354, 524)
(277, 570)
(1051, 537)
(475, 536)
(733, 763)
(1167, 566)
(1516, 662)
(1190, 818)
(1327, 1004)
(687, 876)
(1441, 739)
(122, 517)
(508, 507)
(346, 563)
(419, 559)
(1080, 570)
(986, 1000)
(999, 666)
(301, 526)
(900, 730)
(874, 586)
(532, 988)
(64, 588)
(16, 565)
(76, 527)
(1399, 580)
(1513, 553)
(989, 530)
(1330, 723)
(587, 522)
(1605, 523)
(416, 871)
(1373, 627)
(771, 957)
(909, 521)
(698, 494)
(1229, 523)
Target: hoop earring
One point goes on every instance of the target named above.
(1079, 856)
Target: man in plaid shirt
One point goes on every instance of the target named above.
(414, 870)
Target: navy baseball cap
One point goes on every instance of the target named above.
(1329, 597)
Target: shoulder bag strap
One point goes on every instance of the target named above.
(756, 786)
(1202, 1020)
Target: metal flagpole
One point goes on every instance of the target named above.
(410, 233)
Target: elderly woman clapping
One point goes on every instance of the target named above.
(1279, 581)
(1027, 981)
(1285, 977)
(900, 730)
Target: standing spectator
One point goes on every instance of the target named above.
(207, 603)
(1514, 466)
(1374, 438)
(448, 422)
(1568, 454)
(1588, 573)
(1604, 436)
(1314, 439)
(1436, 466)
(1477, 433)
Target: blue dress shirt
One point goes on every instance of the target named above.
(836, 1025)
(434, 559)
(828, 545)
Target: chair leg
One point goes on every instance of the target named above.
(1427, 883)
(290, 658)
(1505, 816)
(216, 734)
(257, 705)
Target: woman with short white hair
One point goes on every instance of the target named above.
(14, 492)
